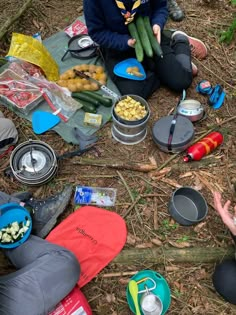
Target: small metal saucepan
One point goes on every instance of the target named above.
(191, 109)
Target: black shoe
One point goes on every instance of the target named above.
(22, 196)
(45, 212)
(175, 12)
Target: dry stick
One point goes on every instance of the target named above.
(231, 86)
(119, 274)
(132, 206)
(226, 56)
(131, 196)
(220, 63)
(11, 20)
(137, 200)
(118, 165)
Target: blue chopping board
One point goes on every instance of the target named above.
(120, 69)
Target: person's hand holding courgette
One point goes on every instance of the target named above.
(157, 32)
(131, 42)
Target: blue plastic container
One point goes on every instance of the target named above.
(13, 212)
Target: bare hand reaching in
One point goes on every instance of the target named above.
(223, 210)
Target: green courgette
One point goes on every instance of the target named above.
(105, 101)
(152, 38)
(86, 98)
(138, 46)
(144, 36)
(87, 107)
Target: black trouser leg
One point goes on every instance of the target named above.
(175, 69)
(224, 280)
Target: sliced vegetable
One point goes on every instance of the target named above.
(13, 232)
(152, 38)
(143, 36)
(138, 46)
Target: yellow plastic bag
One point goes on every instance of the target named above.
(29, 49)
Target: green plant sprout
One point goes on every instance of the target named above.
(228, 35)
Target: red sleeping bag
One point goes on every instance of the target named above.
(94, 235)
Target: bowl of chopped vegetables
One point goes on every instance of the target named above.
(15, 225)
(131, 110)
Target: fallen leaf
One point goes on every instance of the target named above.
(199, 227)
(153, 161)
(198, 184)
(124, 281)
(130, 239)
(147, 211)
(110, 298)
(35, 23)
(156, 241)
(188, 174)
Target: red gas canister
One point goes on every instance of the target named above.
(204, 147)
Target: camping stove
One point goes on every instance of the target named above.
(33, 162)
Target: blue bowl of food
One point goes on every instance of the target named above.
(15, 225)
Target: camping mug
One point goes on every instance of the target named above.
(151, 304)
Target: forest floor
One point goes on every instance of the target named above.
(190, 283)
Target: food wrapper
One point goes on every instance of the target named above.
(21, 74)
(30, 49)
(76, 28)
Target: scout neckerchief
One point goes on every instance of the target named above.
(129, 16)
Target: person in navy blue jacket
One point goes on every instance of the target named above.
(106, 26)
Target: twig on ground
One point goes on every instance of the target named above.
(226, 56)
(218, 77)
(119, 274)
(130, 194)
(220, 63)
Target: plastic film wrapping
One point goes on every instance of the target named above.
(29, 49)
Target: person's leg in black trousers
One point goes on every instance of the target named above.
(224, 280)
(174, 70)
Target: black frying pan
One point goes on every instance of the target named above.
(81, 47)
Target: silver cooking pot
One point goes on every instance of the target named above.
(191, 109)
(33, 162)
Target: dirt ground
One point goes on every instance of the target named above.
(148, 222)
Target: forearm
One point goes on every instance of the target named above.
(159, 12)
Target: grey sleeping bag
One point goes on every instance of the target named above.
(47, 273)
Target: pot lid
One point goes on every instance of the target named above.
(33, 162)
(183, 133)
